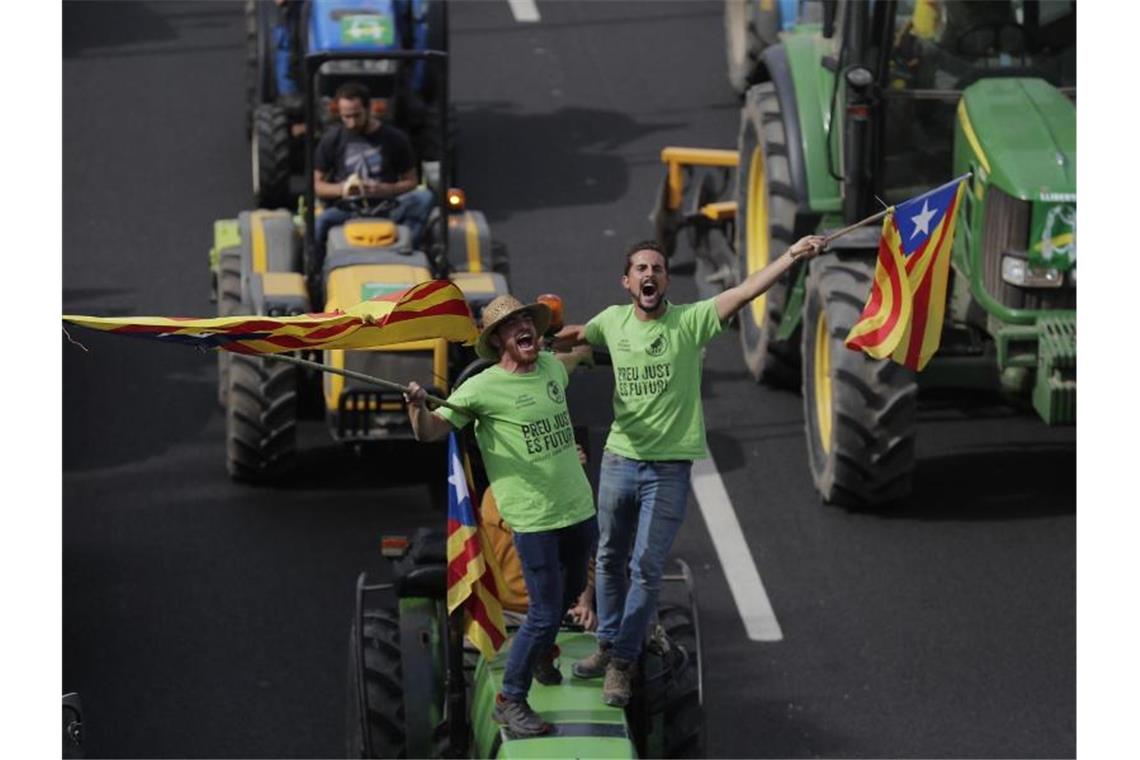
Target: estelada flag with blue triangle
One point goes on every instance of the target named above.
(903, 316)
(470, 580)
(432, 309)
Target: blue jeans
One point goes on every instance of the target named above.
(554, 566)
(641, 505)
(412, 209)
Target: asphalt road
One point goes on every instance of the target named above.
(207, 619)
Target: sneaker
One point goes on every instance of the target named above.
(517, 717)
(594, 666)
(615, 690)
(545, 671)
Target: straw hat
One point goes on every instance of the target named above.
(502, 308)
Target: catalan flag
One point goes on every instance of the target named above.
(433, 309)
(470, 582)
(903, 316)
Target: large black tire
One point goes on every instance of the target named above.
(259, 83)
(261, 419)
(229, 304)
(859, 413)
(765, 228)
(748, 29)
(677, 697)
(269, 156)
(382, 677)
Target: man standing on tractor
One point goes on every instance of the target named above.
(524, 433)
(366, 160)
(657, 432)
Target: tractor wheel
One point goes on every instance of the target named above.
(748, 29)
(229, 304)
(261, 419)
(269, 153)
(859, 412)
(765, 227)
(677, 696)
(382, 678)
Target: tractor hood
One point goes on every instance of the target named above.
(1023, 133)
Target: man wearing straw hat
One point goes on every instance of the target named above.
(524, 433)
(657, 432)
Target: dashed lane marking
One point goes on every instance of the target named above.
(525, 11)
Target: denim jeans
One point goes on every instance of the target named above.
(412, 209)
(649, 498)
(554, 566)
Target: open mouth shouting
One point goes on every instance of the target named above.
(649, 295)
(525, 339)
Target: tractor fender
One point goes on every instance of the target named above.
(268, 243)
(278, 294)
(469, 241)
(775, 61)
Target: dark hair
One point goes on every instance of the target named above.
(352, 91)
(644, 245)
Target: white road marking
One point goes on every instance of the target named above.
(524, 10)
(735, 557)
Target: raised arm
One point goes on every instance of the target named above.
(569, 337)
(733, 300)
(426, 425)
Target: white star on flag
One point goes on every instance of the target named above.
(922, 220)
(458, 480)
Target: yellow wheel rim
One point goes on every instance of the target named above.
(756, 236)
(821, 384)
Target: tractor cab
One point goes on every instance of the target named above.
(281, 36)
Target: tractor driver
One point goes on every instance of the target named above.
(365, 158)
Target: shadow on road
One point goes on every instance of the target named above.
(101, 28)
(1018, 480)
(579, 146)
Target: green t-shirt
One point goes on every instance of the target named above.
(524, 432)
(657, 379)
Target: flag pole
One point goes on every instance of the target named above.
(359, 376)
(857, 225)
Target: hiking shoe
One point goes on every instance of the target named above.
(615, 690)
(594, 666)
(517, 717)
(545, 671)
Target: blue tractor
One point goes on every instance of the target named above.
(280, 33)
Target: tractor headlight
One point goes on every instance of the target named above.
(1016, 271)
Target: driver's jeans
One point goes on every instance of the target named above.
(411, 209)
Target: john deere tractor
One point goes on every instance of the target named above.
(280, 35)
(416, 690)
(877, 104)
(267, 262)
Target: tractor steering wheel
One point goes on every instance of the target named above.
(973, 43)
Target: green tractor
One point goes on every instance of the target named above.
(415, 690)
(872, 106)
(267, 262)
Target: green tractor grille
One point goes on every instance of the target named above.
(1007, 229)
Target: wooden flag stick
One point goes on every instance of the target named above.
(359, 376)
(857, 225)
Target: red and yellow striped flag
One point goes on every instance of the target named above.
(470, 581)
(903, 316)
(433, 309)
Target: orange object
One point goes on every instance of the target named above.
(554, 303)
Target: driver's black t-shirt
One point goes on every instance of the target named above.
(382, 155)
